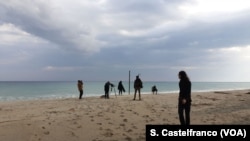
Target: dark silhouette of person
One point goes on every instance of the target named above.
(106, 89)
(184, 100)
(138, 86)
(154, 89)
(120, 88)
(80, 88)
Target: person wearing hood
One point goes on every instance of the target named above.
(120, 88)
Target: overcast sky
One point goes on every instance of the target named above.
(104, 39)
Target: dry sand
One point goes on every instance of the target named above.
(115, 119)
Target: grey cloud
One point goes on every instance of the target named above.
(143, 36)
(201, 35)
(41, 20)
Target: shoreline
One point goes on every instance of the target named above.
(112, 94)
(15, 91)
(118, 118)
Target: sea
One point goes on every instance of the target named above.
(36, 90)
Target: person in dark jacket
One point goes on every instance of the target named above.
(184, 101)
(154, 89)
(137, 86)
(120, 88)
(106, 89)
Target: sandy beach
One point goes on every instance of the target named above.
(116, 119)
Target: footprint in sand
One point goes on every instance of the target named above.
(153, 110)
(128, 138)
(72, 134)
(164, 119)
(92, 118)
(72, 110)
(108, 119)
(135, 127)
(100, 114)
(136, 113)
(130, 130)
(129, 110)
(108, 133)
(46, 132)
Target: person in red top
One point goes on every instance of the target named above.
(184, 101)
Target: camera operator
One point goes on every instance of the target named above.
(106, 89)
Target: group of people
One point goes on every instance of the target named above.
(184, 99)
(137, 86)
(109, 85)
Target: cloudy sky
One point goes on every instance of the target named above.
(104, 39)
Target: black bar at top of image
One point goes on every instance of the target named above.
(216, 132)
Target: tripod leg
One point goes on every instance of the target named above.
(115, 93)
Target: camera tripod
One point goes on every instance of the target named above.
(114, 90)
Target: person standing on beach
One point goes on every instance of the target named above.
(106, 89)
(184, 100)
(137, 86)
(80, 88)
(154, 89)
(120, 88)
